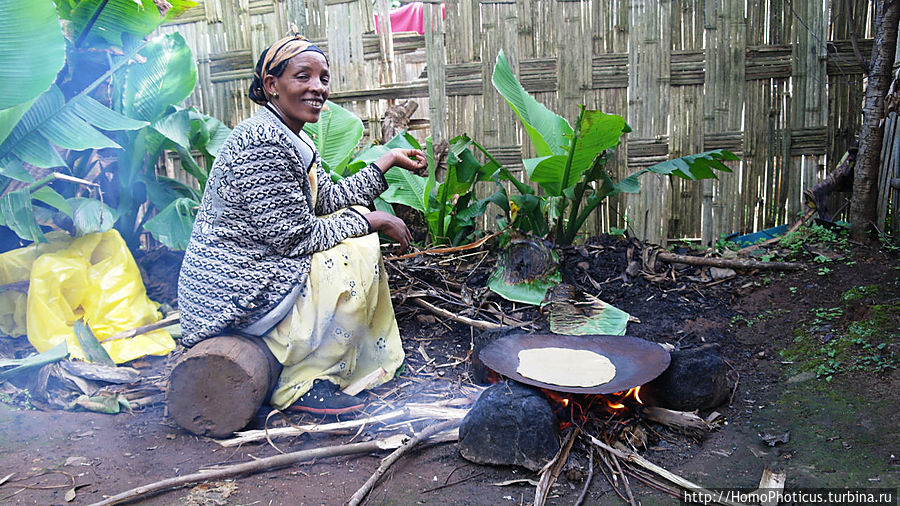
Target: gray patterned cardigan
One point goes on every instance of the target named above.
(257, 228)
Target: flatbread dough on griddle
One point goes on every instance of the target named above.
(566, 367)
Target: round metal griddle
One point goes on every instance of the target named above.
(637, 361)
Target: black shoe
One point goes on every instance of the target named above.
(326, 398)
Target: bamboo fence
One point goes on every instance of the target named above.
(774, 81)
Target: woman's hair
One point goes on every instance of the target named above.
(274, 59)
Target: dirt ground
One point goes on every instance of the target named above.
(813, 353)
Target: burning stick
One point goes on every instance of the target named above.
(367, 487)
(255, 466)
(650, 466)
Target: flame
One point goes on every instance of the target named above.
(616, 403)
(634, 393)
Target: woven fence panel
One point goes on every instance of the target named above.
(775, 82)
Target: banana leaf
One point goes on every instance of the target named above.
(172, 226)
(33, 50)
(146, 89)
(526, 270)
(406, 188)
(411, 189)
(108, 403)
(549, 132)
(526, 292)
(20, 365)
(573, 312)
(17, 213)
(94, 21)
(91, 215)
(336, 135)
(69, 125)
(93, 351)
(595, 133)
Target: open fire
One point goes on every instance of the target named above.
(578, 408)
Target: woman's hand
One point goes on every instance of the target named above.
(391, 226)
(413, 160)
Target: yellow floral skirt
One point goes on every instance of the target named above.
(342, 326)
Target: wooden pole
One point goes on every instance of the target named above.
(218, 386)
(437, 75)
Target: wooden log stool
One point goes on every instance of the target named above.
(218, 386)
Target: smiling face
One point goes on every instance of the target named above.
(301, 89)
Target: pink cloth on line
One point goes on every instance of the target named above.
(409, 18)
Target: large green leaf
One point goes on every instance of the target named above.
(32, 49)
(172, 226)
(588, 317)
(208, 134)
(693, 167)
(548, 131)
(406, 188)
(17, 213)
(595, 133)
(91, 215)
(33, 362)
(52, 198)
(175, 126)
(166, 76)
(69, 125)
(531, 292)
(336, 135)
(93, 351)
(370, 154)
(12, 167)
(133, 18)
(697, 166)
(10, 117)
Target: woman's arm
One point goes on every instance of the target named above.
(277, 206)
(362, 188)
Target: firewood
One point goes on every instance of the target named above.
(551, 471)
(366, 382)
(771, 480)
(590, 476)
(478, 324)
(255, 466)
(367, 487)
(679, 420)
(634, 458)
(729, 263)
(408, 411)
(452, 249)
(172, 319)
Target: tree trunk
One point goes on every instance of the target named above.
(865, 182)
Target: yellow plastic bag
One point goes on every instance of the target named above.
(94, 277)
(15, 267)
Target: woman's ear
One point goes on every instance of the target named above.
(269, 85)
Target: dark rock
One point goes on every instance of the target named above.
(480, 373)
(510, 424)
(695, 379)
